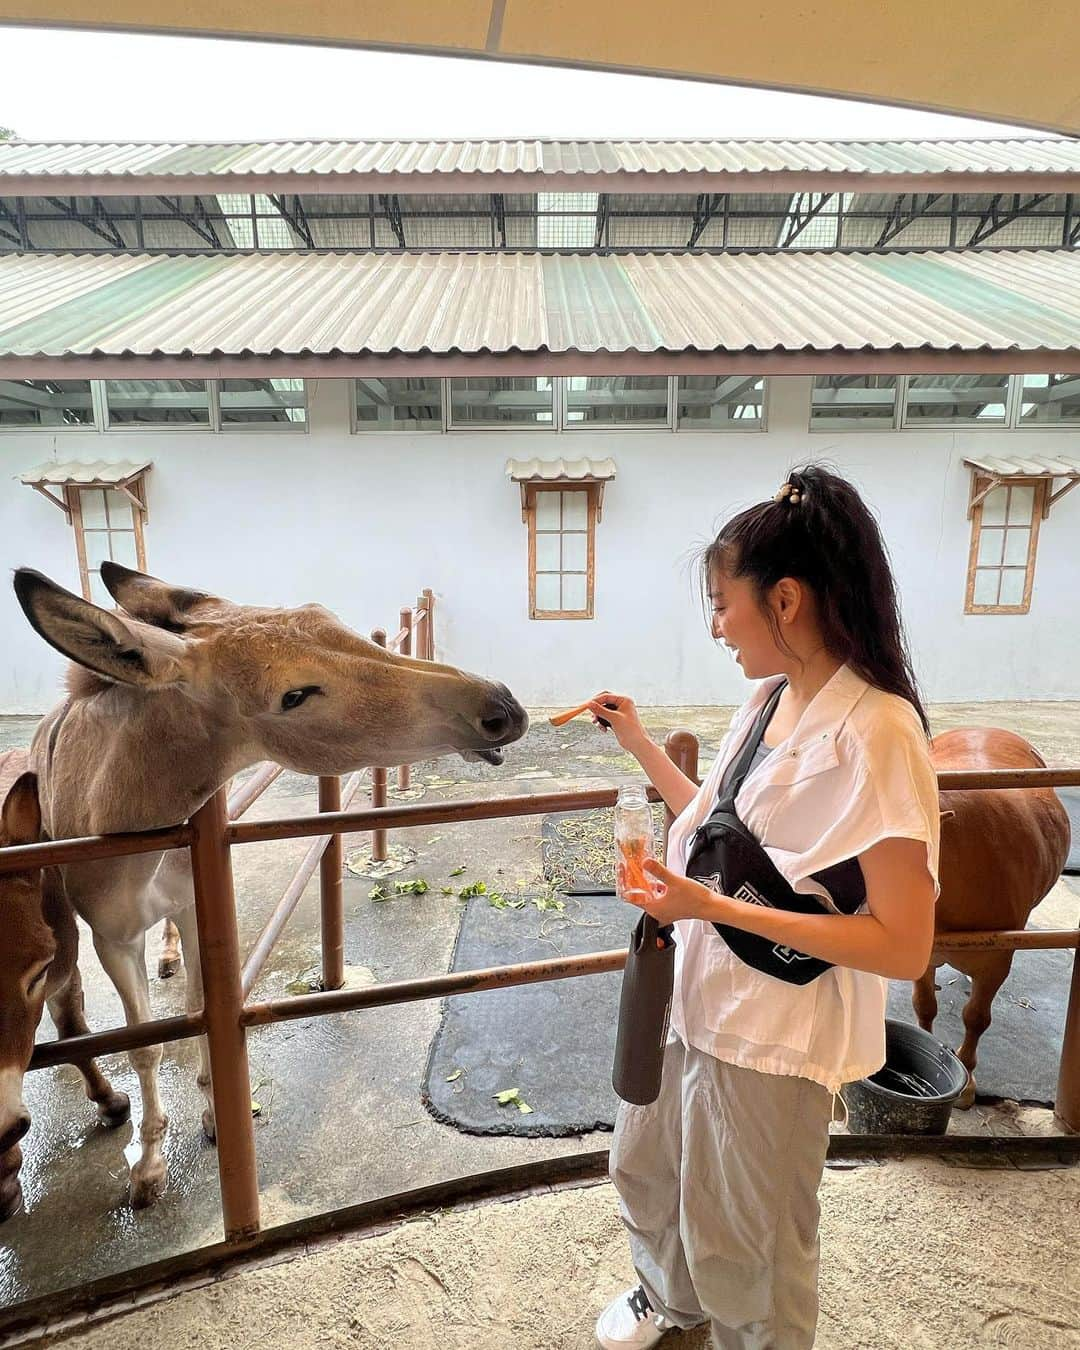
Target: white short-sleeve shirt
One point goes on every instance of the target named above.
(855, 770)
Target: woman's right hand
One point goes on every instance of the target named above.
(621, 714)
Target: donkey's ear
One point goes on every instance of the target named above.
(20, 817)
(109, 644)
(149, 599)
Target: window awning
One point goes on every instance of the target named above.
(118, 475)
(556, 471)
(1000, 470)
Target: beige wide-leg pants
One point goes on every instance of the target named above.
(718, 1182)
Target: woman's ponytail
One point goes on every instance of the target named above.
(818, 530)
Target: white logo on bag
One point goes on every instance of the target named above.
(751, 896)
(754, 897)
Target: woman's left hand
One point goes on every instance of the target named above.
(677, 897)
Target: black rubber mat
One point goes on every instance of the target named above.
(553, 1042)
(1071, 800)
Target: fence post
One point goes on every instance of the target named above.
(1067, 1103)
(427, 603)
(331, 893)
(682, 747)
(378, 782)
(403, 774)
(223, 1001)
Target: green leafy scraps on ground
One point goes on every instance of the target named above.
(458, 871)
(416, 887)
(512, 1097)
(453, 1077)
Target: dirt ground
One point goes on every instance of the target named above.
(918, 1255)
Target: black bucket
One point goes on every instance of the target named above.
(913, 1093)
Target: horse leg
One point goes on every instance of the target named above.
(125, 965)
(988, 972)
(67, 1010)
(924, 998)
(193, 995)
(169, 960)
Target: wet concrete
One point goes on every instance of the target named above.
(339, 1118)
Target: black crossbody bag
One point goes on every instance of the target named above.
(726, 857)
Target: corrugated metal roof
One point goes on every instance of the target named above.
(98, 472)
(362, 303)
(531, 157)
(549, 470)
(1027, 466)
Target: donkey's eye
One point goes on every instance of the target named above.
(295, 697)
(36, 981)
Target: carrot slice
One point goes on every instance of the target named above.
(560, 719)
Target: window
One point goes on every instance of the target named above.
(566, 219)
(977, 400)
(1049, 400)
(853, 401)
(562, 530)
(716, 402)
(396, 404)
(182, 403)
(108, 525)
(616, 401)
(1004, 536)
(502, 400)
(257, 402)
(46, 403)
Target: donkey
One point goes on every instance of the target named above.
(37, 966)
(1001, 852)
(167, 700)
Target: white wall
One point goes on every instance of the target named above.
(363, 523)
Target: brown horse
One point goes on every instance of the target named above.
(37, 966)
(1001, 853)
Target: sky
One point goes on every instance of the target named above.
(71, 85)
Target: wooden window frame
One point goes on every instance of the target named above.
(135, 490)
(981, 488)
(592, 489)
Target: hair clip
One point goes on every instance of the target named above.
(788, 492)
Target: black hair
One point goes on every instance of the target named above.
(820, 531)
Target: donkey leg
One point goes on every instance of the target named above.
(988, 972)
(11, 1192)
(924, 998)
(169, 960)
(67, 1010)
(125, 965)
(193, 995)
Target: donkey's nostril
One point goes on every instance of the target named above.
(495, 726)
(18, 1128)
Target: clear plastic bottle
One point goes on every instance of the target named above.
(634, 842)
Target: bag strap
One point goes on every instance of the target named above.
(736, 771)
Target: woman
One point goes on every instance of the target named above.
(718, 1178)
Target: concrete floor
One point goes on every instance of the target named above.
(341, 1119)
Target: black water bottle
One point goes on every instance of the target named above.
(648, 976)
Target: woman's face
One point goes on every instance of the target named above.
(739, 622)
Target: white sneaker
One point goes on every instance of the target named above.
(630, 1323)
